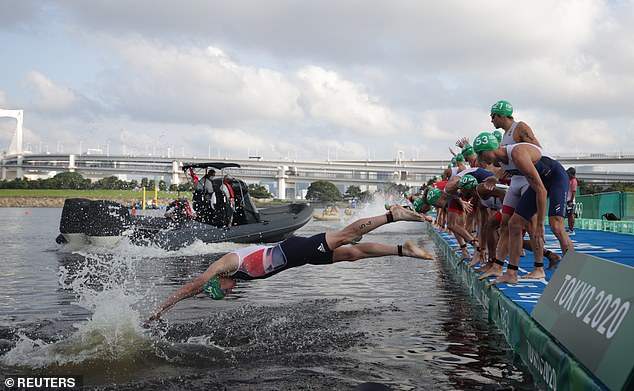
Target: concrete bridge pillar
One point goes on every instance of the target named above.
(71, 163)
(175, 171)
(281, 182)
(19, 172)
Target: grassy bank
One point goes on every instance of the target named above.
(99, 194)
(18, 198)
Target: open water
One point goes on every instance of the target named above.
(402, 322)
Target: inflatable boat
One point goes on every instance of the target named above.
(105, 223)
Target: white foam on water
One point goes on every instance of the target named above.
(124, 248)
(105, 282)
(106, 286)
(205, 340)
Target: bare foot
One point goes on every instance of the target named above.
(485, 268)
(495, 270)
(412, 250)
(401, 214)
(553, 260)
(537, 273)
(506, 279)
(478, 258)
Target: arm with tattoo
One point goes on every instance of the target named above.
(524, 134)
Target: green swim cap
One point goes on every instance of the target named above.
(436, 176)
(498, 135)
(502, 107)
(213, 290)
(454, 160)
(468, 182)
(418, 204)
(433, 195)
(467, 150)
(485, 142)
(449, 165)
(459, 158)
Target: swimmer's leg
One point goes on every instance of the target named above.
(363, 226)
(373, 250)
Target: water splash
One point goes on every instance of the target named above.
(105, 286)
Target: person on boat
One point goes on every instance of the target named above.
(547, 180)
(179, 210)
(206, 182)
(229, 199)
(263, 261)
(203, 199)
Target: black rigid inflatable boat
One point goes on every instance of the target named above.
(104, 223)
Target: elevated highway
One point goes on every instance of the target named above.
(287, 177)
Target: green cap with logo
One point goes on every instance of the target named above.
(418, 204)
(502, 107)
(467, 150)
(498, 135)
(468, 182)
(433, 195)
(459, 158)
(213, 290)
(454, 160)
(485, 142)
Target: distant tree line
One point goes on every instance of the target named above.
(75, 181)
(323, 191)
(591, 188)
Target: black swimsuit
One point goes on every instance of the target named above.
(292, 252)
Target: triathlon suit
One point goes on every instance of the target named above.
(493, 203)
(454, 172)
(554, 178)
(507, 138)
(454, 204)
(519, 184)
(258, 262)
(440, 185)
(479, 173)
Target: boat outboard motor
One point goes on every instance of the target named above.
(108, 220)
(74, 220)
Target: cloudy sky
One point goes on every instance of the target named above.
(298, 79)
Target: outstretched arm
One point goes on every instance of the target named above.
(227, 264)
